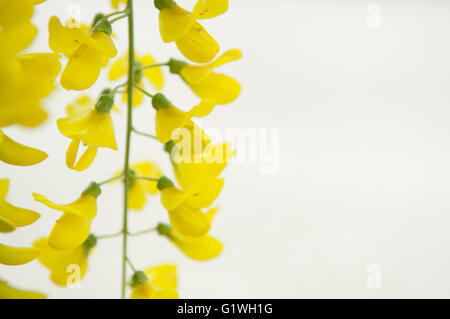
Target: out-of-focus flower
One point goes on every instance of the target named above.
(115, 3)
(72, 229)
(206, 83)
(154, 75)
(159, 282)
(177, 24)
(8, 292)
(184, 206)
(169, 117)
(88, 51)
(12, 216)
(15, 153)
(13, 256)
(198, 248)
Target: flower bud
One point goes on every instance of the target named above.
(102, 25)
(163, 229)
(97, 18)
(138, 72)
(168, 147)
(93, 190)
(105, 102)
(175, 65)
(164, 182)
(139, 278)
(90, 242)
(164, 4)
(159, 101)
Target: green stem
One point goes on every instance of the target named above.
(115, 13)
(130, 263)
(142, 232)
(109, 235)
(112, 179)
(153, 65)
(119, 18)
(143, 91)
(151, 179)
(144, 134)
(126, 167)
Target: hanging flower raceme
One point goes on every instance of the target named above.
(13, 256)
(12, 216)
(72, 229)
(88, 50)
(198, 248)
(25, 80)
(8, 292)
(153, 75)
(15, 153)
(139, 188)
(169, 117)
(93, 127)
(184, 206)
(62, 264)
(206, 83)
(181, 26)
(159, 282)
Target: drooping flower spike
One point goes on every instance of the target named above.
(93, 127)
(184, 206)
(13, 256)
(12, 216)
(198, 248)
(153, 75)
(9, 292)
(206, 83)
(72, 229)
(58, 261)
(88, 50)
(169, 117)
(177, 24)
(159, 282)
(15, 153)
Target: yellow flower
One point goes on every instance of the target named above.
(184, 207)
(8, 292)
(115, 3)
(181, 26)
(161, 283)
(72, 229)
(198, 248)
(87, 53)
(12, 216)
(17, 255)
(95, 129)
(60, 262)
(14, 153)
(25, 80)
(206, 83)
(154, 75)
(168, 117)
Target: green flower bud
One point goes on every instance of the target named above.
(104, 103)
(164, 182)
(164, 4)
(163, 229)
(175, 65)
(93, 189)
(139, 278)
(138, 72)
(159, 101)
(168, 147)
(90, 242)
(97, 18)
(131, 178)
(106, 92)
(102, 25)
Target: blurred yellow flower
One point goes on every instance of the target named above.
(88, 51)
(154, 75)
(17, 255)
(161, 283)
(15, 153)
(177, 24)
(184, 206)
(115, 3)
(8, 292)
(12, 216)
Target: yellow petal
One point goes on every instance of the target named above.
(118, 69)
(18, 37)
(148, 169)
(84, 161)
(79, 106)
(4, 186)
(172, 197)
(69, 232)
(219, 87)
(6, 226)
(19, 217)
(163, 276)
(174, 23)
(8, 292)
(205, 192)
(189, 221)
(14, 153)
(205, 9)
(136, 196)
(198, 248)
(82, 70)
(138, 96)
(154, 75)
(165, 294)
(61, 39)
(197, 45)
(58, 261)
(143, 291)
(104, 44)
(17, 255)
(169, 119)
(211, 213)
(204, 108)
(84, 207)
(100, 131)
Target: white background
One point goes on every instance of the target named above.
(364, 157)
